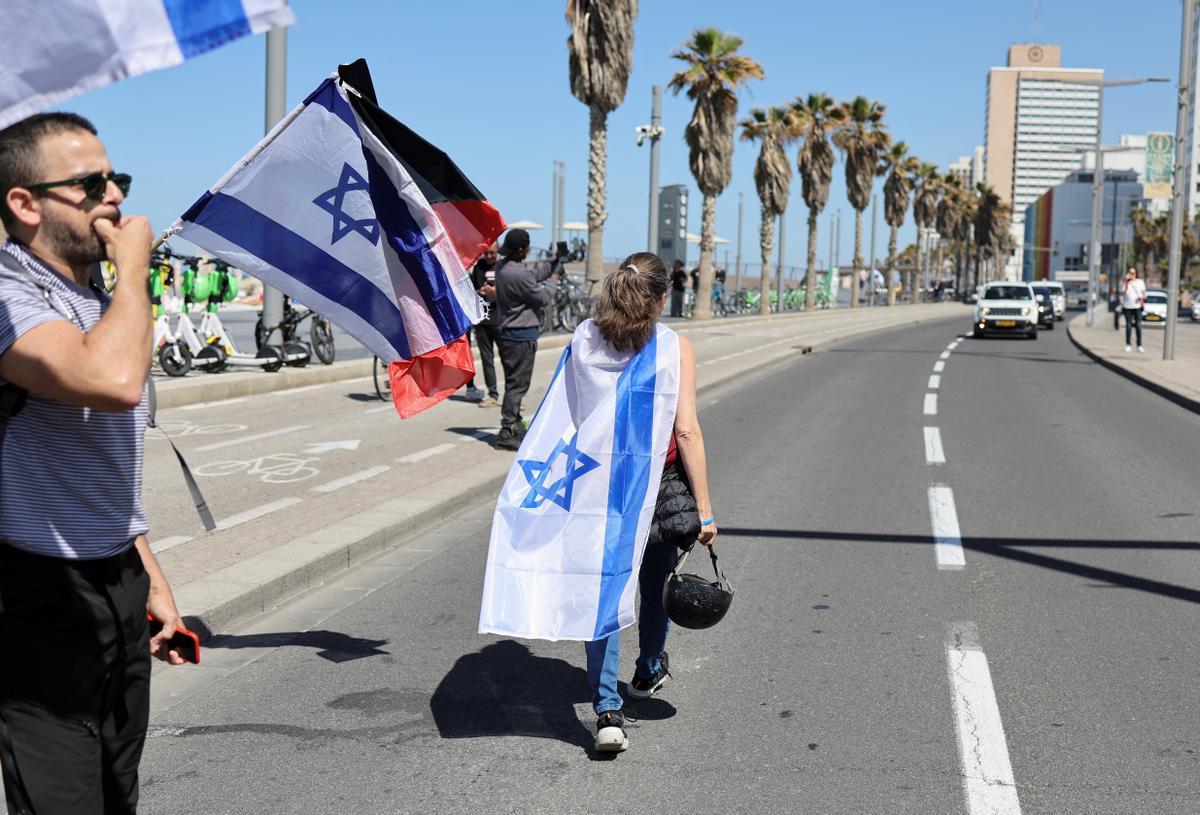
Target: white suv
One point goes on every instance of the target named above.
(1006, 308)
(1058, 296)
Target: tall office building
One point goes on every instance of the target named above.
(1040, 119)
(968, 169)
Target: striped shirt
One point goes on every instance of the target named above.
(70, 477)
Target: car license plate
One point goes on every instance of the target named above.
(1006, 323)
(1152, 318)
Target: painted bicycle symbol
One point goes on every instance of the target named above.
(277, 468)
(179, 428)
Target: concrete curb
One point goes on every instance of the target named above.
(269, 579)
(1163, 390)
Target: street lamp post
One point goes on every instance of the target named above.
(276, 89)
(1183, 117)
(653, 132)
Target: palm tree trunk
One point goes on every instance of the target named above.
(766, 240)
(597, 168)
(891, 266)
(810, 276)
(708, 225)
(938, 272)
(858, 226)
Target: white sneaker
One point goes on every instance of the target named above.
(1128, 348)
(1141, 350)
(610, 732)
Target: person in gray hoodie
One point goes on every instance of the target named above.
(522, 295)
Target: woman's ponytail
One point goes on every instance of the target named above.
(630, 301)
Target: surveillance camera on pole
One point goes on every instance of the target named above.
(654, 132)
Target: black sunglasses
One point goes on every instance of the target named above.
(94, 184)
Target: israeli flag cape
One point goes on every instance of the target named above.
(572, 519)
(51, 50)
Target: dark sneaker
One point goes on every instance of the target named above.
(473, 395)
(610, 732)
(645, 687)
(510, 438)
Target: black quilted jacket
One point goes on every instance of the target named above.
(676, 521)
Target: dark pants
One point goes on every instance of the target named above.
(1133, 320)
(75, 688)
(676, 303)
(487, 338)
(517, 358)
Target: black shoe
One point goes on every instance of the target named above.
(610, 732)
(510, 438)
(645, 687)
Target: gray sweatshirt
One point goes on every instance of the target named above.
(522, 295)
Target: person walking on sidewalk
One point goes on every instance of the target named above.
(77, 576)
(1133, 297)
(678, 286)
(487, 337)
(522, 295)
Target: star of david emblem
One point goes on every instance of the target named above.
(332, 202)
(577, 464)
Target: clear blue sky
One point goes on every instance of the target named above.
(487, 82)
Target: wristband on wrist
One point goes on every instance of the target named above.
(708, 521)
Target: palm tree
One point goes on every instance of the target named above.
(600, 50)
(774, 129)
(899, 167)
(924, 210)
(949, 215)
(816, 117)
(714, 70)
(862, 139)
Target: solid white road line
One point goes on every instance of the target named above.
(164, 544)
(421, 455)
(947, 539)
(931, 404)
(381, 409)
(353, 478)
(245, 439)
(939, 366)
(935, 382)
(257, 512)
(987, 770)
(944, 355)
(203, 405)
(933, 446)
(291, 391)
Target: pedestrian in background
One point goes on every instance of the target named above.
(678, 287)
(487, 335)
(1133, 297)
(77, 576)
(522, 295)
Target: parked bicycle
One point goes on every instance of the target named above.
(320, 332)
(383, 384)
(569, 307)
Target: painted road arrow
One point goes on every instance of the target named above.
(326, 446)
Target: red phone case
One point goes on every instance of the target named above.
(186, 641)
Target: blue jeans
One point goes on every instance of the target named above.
(604, 655)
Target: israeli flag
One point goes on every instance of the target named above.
(573, 517)
(324, 210)
(51, 50)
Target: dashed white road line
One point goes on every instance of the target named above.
(939, 366)
(353, 478)
(254, 437)
(944, 355)
(421, 455)
(163, 544)
(302, 389)
(218, 403)
(947, 538)
(931, 404)
(257, 512)
(986, 768)
(381, 409)
(935, 382)
(934, 454)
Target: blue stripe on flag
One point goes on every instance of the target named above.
(326, 95)
(404, 235)
(562, 363)
(201, 27)
(629, 478)
(296, 257)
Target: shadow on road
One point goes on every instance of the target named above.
(1031, 356)
(331, 645)
(504, 690)
(1016, 549)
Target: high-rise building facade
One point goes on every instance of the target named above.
(1040, 119)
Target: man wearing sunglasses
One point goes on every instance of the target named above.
(77, 577)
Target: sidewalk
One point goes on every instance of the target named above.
(261, 555)
(1177, 379)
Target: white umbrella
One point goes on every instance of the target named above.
(694, 238)
(525, 225)
(575, 226)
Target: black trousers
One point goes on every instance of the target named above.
(1133, 321)
(517, 357)
(75, 688)
(487, 339)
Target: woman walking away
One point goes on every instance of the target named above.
(603, 489)
(1133, 297)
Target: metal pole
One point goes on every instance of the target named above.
(562, 201)
(871, 267)
(655, 132)
(554, 205)
(276, 93)
(779, 266)
(1183, 117)
(1113, 271)
(738, 276)
(1097, 211)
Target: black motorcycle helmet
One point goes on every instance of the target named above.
(692, 601)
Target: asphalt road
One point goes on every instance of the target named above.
(1042, 658)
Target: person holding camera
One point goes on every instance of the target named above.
(77, 577)
(522, 295)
